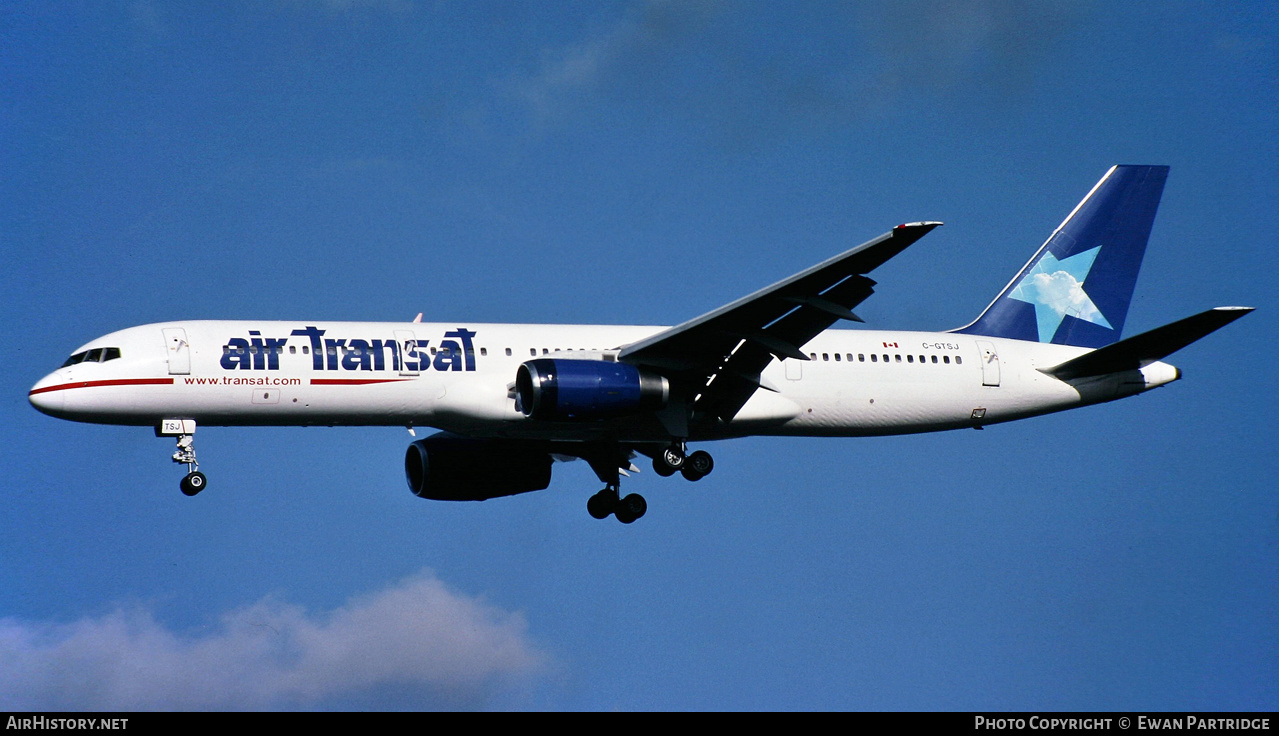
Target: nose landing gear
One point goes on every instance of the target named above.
(184, 430)
(195, 481)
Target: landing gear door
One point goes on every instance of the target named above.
(989, 363)
(178, 351)
(408, 347)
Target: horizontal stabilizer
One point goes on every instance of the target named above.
(1139, 350)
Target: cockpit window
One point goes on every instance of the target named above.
(96, 355)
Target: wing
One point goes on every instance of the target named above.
(719, 356)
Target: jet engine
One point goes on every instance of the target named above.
(445, 467)
(555, 389)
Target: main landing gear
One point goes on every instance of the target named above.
(609, 501)
(184, 430)
(608, 464)
(608, 461)
(694, 466)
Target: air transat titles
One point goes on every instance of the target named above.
(456, 352)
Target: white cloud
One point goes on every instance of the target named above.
(427, 645)
(1065, 295)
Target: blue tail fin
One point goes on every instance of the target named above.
(1076, 289)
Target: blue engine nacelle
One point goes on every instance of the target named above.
(550, 388)
(445, 467)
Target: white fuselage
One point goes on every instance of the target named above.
(459, 377)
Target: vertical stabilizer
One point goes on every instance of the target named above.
(1077, 287)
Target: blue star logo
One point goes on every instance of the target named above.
(1056, 289)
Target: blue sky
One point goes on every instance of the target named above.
(633, 163)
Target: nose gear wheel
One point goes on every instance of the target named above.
(195, 481)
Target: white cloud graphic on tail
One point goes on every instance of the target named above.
(1056, 289)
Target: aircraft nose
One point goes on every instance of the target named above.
(46, 397)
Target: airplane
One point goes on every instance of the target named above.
(508, 400)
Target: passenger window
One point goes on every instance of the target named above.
(293, 350)
(899, 358)
(934, 358)
(826, 357)
(874, 358)
(508, 352)
(958, 360)
(836, 357)
(861, 357)
(909, 359)
(945, 359)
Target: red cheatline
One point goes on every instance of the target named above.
(93, 384)
(354, 381)
(169, 381)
